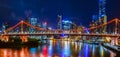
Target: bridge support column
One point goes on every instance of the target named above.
(114, 41)
(24, 38)
(5, 38)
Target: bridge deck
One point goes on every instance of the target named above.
(71, 34)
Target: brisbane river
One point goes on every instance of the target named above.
(59, 48)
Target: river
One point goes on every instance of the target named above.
(59, 49)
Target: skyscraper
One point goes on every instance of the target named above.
(33, 21)
(3, 27)
(100, 18)
(102, 14)
(102, 8)
(44, 25)
(59, 22)
(95, 18)
(66, 24)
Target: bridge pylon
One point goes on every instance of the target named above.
(21, 27)
(4, 38)
(24, 38)
(105, 27)
(114, 41)
(116, 25)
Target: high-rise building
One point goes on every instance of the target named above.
(44, 25)
(102, 8)
(95, 18)
(102, 14)
(5, 26)
(66, 24)
(73, 25)
(101, 18)
(59, 22)
(39, 24)
(33, 21)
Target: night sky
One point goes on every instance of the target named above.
(79, 11)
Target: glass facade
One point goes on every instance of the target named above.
(66, 24)
(33, 21)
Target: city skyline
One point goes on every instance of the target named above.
(48, 10)
(59, 28)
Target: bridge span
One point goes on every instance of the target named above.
(113, 31)
(70, 34)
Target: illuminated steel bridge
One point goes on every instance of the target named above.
(19, 29)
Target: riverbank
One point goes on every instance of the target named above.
(17, 43)
(115, 48)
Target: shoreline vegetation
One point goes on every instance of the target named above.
(17, 43)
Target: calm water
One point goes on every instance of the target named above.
(59, 49)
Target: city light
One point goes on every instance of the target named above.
(45, 23)
(66, 21)
(49, 28)
(40, 28)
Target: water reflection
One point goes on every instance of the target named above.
(59, 49)
(101, 52)
(86, 50)
(66, 49)
(93, 51)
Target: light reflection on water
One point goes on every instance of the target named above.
(60, 49)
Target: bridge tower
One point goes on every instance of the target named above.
(102, 14)
(21, 27)
(24, 37)
(116, 26)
